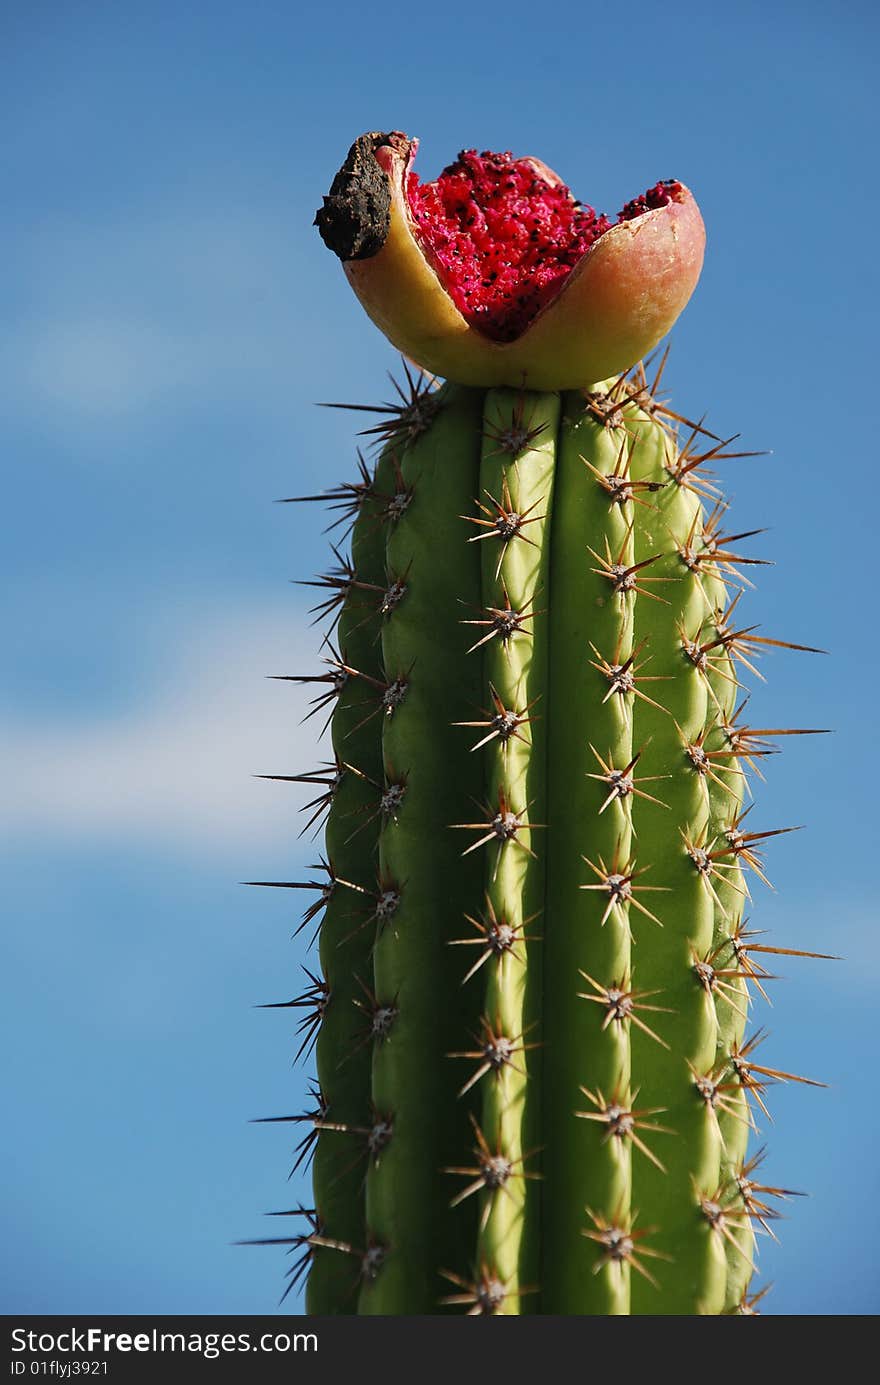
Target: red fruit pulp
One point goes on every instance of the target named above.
(503, 238)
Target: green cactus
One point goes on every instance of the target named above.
(536, 1075)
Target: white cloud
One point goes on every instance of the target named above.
(178, 771)
(109, 367)
(125, 317)
(97, 367)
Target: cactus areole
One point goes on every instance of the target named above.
(495, 275)
(537, 1066)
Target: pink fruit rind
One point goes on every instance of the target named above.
(495, 274)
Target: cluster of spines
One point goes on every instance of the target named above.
(611, 468)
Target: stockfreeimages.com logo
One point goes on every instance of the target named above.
(95, 1341)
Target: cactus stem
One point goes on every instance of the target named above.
(621, 1002)
(557, 471)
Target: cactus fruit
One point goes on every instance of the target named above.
(536, 1073)
(494, 274)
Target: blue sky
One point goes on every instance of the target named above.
(169, 317)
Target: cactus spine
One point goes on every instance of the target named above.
(535, 1086)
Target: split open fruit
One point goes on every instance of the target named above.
(494, 274)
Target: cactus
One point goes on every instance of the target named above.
(537, 1075)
